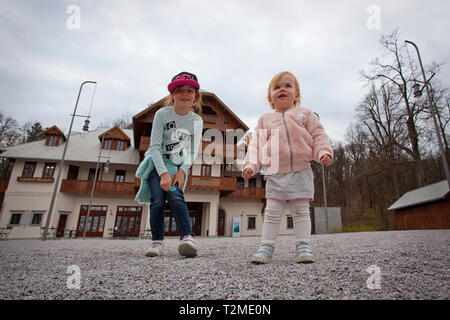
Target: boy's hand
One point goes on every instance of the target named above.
(247, 174)
(326, 160)
(165, 181)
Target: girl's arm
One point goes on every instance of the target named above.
(321, 143)
(156, 141)
(252, 158)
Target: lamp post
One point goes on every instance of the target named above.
(324, 190)
(93, 184)
(433, 112)
(55, 190)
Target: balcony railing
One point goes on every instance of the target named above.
(211, 183)
(35, 179)
(248, 193)
(101, 187)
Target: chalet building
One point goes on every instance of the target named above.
(424, 208)
(215, 192)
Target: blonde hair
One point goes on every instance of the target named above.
(275, 79)
(196, 106)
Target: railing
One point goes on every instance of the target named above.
(248, 193)
(35, 179)
(3, 185)
(211, 183)
(105, 187)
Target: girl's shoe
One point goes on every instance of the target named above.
(187, 247)
(156, 249)
(263, 254)
(304, 253)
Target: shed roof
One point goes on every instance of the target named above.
(431, 193)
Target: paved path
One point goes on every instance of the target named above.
(405, 265)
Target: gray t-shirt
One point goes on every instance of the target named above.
(175, 139)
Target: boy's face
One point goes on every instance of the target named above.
(283, 93)
(184, 96)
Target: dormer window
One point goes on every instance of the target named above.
(52, 140)
(54, 137)
(114, 139)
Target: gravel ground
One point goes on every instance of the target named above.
(410, 265)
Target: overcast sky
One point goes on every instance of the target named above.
(133, 48)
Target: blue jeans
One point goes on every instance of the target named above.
(177, 203)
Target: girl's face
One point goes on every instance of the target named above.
(184, 97)
(283, 94)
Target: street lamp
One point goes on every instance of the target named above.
(106, 170)
(324, 189)
(433, 112)
(55, 190)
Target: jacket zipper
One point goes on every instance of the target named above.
(289, 140)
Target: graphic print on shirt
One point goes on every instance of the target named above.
(177, 150)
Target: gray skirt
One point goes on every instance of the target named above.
(289, 186)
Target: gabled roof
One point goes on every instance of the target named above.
(54, 131)
(431, 193)
(115, 133)
(83, 147)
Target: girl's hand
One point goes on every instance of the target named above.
(165, 181)
(247, 174)
(326, 160)
(178, 178)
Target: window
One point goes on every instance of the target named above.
(240, 182)
(120, 145)
(107, 144)
(28, 169)
(52, 140)
(91, 175)
(49, 170)
(252, 183)
(15, 218)
(251, 223)
(120, 176)
(208, 110)
(290, 223)
(206, 170)
(37, 218)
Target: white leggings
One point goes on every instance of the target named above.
(272, 217)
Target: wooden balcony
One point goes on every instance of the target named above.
(145, 143)
(3, 185)
(224, 185)
(248, 193)
(101, 187)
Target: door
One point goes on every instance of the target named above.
(221, 224)
(61, 225)
(195, 214)
(128, 221)
(96, 222)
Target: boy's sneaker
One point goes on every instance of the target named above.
(304, 253)
(156, 249)
(263, 254)
(187, 247)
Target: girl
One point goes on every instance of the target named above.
(285, 141)
(175, 139)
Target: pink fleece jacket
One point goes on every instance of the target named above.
(286, 142)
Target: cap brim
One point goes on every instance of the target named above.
(183, 82)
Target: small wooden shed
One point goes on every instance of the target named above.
(424, 208)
